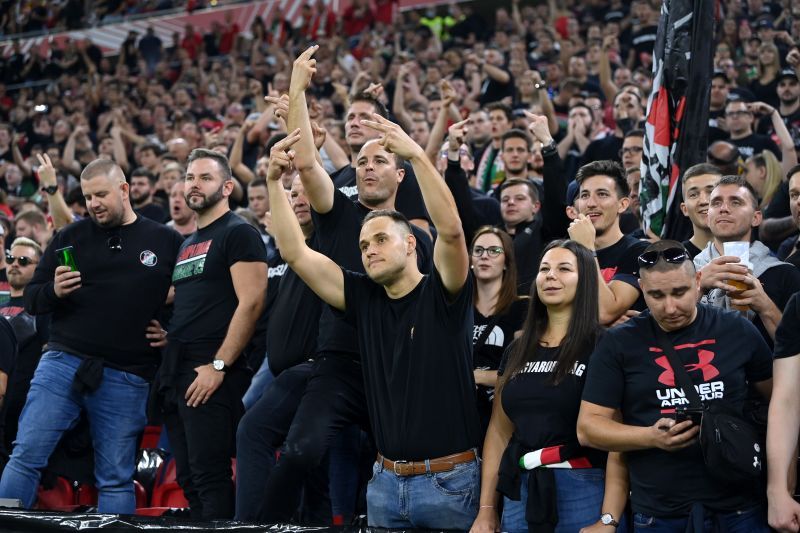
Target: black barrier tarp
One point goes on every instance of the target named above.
(18, 521)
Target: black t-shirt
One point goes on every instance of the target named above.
(121, 291)
(336, 233)
(417, 361)
(154, 212)
(8, 346)
(620, 262)
(722, 352)
(292, 329)
(489, 353)
(780, 283)
(754, 144)
(494, 91)
(205, 299)
(766, 93)
(691, 248)
(545, 414)
(643, 42)
(409, 197)
(787, 336)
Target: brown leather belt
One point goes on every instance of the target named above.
(434, 466)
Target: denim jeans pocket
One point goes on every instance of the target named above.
(459, 481)
(52, 354)
(133, 379)
(375, 472)
(642, 520)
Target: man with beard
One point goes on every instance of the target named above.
(31, 333)
(183, 220)
(220, 284)
(103, 339)
(143, 186)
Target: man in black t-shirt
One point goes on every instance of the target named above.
(698, 182)
(220, 288)
(143, 184)
(784, 421)
(739, 120)
(415, 337)
(628, 112)
(409, 201)
(631, 396)
(334, 396)
(31, 332)
(603, 196)
(732, 214)
(102, 349)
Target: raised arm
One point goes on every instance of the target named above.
(554, 217)
(319, 186)
(242, 171)
(782, 429)
(456, 180)
(58, 206)
(450, 251)
(604, 69)
(320, 273)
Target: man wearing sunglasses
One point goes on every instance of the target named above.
(631, 396)
(31, 331)
(103, 344)
(732, 214)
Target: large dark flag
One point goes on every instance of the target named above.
(676, 133)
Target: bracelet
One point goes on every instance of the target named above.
(487, 507)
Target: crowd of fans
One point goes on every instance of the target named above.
(511, 144)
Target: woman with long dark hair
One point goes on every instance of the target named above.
(533, 422)
(498, 310)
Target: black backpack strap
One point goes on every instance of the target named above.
(678, 370)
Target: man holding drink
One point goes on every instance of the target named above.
(114, 274)
(739, 272)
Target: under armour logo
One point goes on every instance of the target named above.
(704, 358)
(756, 463)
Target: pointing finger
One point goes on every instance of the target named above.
(375, 125)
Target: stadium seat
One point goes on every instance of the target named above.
(150, 437)
(60, 497)
(167, 492)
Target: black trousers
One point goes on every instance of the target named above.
(202, 439)
(333, 399)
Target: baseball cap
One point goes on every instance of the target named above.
(787, 73)
(765, 22)
(720, 74)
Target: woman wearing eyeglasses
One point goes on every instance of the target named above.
(499, 311)
(561, 487)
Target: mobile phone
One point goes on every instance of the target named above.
(66, 257)
(688, 413)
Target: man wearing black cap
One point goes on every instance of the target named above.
(789, 97)
(716, 105)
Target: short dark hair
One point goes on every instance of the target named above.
(396, 217)
(516, 133)
(605, 167)
(635, 133)
(220, 159)
(34, 217)
(740, 181)
(143, 172)
(792, 171)
(583, 105)
(663, 265)
(153, 147)
(533, 191)
(368, 98)
(258, 182)
(700, 169)
(499, 106)
(101, 167)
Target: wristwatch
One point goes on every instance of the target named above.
(607, 519)
(550, 148)
(50, 189)
(219, 366)
(540, 85)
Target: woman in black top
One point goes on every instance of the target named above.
(499, 311)
(539, 388)
(769, 66)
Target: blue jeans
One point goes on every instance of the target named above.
(749, 521)
(258, 385)
(447, 500)
(579, 498)
(116, 413)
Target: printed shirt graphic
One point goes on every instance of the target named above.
(722, 352)
(191, 261)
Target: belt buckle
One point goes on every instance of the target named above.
(394, 467)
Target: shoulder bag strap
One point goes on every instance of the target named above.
(678, 370)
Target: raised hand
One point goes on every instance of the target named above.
(456, 134)
(539, 128)
(304, 68)
(47, 172)
(281, 156)
(394, 139)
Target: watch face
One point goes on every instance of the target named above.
(219, 364)
(606, 519)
